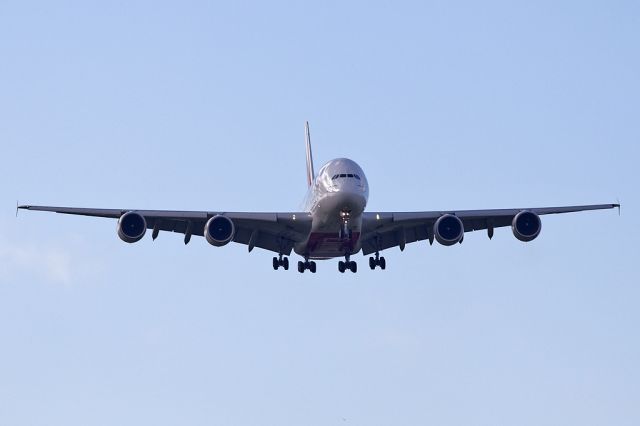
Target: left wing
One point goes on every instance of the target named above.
(277, 232)
(390, 229)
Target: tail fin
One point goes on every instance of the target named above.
(311, 175)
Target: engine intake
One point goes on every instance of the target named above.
(526, 226)
(219, 230)
(131, 227)
(448, 230)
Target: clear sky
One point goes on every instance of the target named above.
(201, 105)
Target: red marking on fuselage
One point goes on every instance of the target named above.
(329, 244)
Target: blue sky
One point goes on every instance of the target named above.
(201, 105)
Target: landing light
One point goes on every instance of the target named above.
(377, 216)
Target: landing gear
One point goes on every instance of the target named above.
(280, 261)
(307, 265)
(347, 264)
(345, 232)
(343, 266)
(377, 261)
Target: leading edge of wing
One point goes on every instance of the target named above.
(111, 213)
(408, 216)
(172, 214)
(116, 213)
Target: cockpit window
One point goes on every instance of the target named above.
(345, 175)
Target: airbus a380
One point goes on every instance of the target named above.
(334, 223)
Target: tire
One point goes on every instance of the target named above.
(341, 266)
(276, 264)
(354, 267)
(301, 267)
(312, 267)
(285, 263)
(372, 263)
(383, 263)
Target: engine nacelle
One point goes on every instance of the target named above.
(448, 230)
(131, 227)
(526, 226)
(219, 230)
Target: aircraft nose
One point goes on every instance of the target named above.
(354, 202)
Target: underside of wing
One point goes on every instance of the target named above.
(277, 232)
(384, 230)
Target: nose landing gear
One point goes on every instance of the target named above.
(343, 266)
(307, 265)
(345, 232)
(347, 264)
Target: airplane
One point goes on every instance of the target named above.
(333, 223)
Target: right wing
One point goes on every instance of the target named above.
(390, 229)
(277, 232)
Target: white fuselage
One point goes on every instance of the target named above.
(336, 200)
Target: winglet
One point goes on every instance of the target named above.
(21, 207)
(310, 171)
(618, 206)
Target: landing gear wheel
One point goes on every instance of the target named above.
(342, 267)
(307, 266)
(281, 261)
(377, 261)
(353, 266)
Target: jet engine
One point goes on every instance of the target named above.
(526, 226)
(131, 227)
(448, 230)
(219, 230)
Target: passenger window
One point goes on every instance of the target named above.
(342, 175)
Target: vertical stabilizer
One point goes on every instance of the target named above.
(310, 171)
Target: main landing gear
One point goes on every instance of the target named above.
(280, 261)
(307, 265)
(347, 264)
(377, 261)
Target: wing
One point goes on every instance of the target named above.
(277, 232)
(391, 229)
